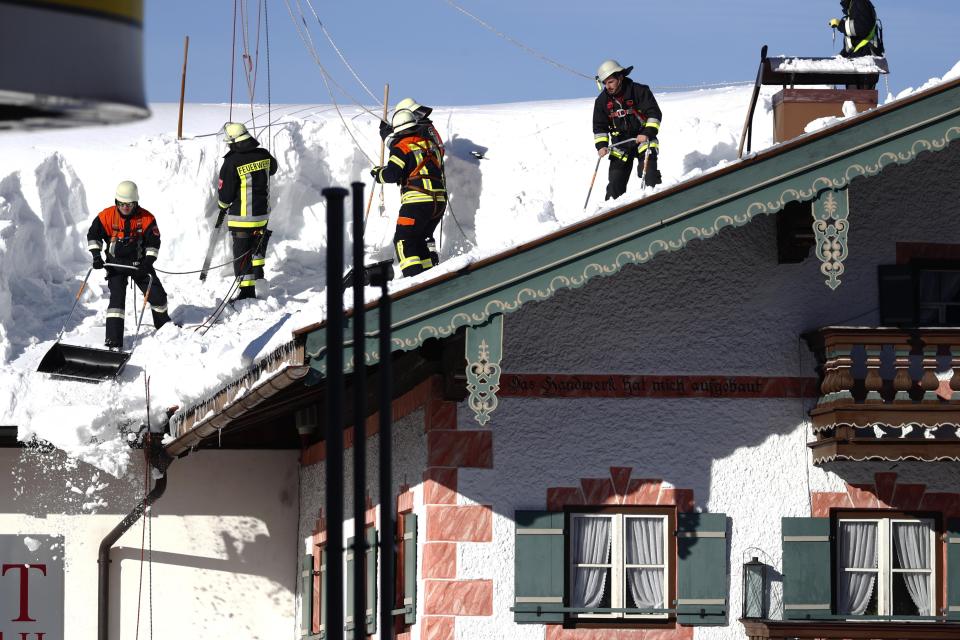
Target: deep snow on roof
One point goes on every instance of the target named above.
(537, 161)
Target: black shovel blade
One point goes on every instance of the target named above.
(372, 273)
(82, 363)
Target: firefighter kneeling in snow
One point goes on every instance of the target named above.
(244, 193)
(625, 112)
(132, 239)
(416, 164)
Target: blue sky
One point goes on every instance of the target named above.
(435, 53)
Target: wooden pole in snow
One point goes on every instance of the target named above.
(386, 107)
(183, 87)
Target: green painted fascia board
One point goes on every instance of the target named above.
(764, 184)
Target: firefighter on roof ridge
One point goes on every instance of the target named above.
(625, 109)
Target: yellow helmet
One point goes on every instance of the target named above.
(235, 132)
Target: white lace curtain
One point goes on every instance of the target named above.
(591, 545)
(912, 543)
(645, 546)
(858, 550)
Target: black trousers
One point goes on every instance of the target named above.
(117, 284)
(249, 251)
(621, 163)
(413, 238)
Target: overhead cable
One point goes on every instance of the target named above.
(307, 40)
(339, 53)
(517, 43)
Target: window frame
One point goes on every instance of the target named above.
(618, 573)
(885, 520)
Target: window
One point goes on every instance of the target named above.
(619, 561)
(886, 566)
(921, 294)
(938, 298)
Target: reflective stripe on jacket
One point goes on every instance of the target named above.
(244, 188)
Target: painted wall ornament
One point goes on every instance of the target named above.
(484, 350)
(830, 227)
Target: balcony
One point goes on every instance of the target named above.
(887, 394)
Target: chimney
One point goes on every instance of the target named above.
(794, 109)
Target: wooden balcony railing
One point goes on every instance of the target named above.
(887, 394)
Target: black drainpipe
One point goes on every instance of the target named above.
(158, 459)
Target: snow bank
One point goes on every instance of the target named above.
(537, 159)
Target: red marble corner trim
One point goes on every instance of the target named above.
(885, 493)
(440, 486)
(460, 449)
(557, 632)
(440, 414)
(438, 628)
(440, 560)
(473, 523)
(620, 489)
(458, 597)
(405, 500)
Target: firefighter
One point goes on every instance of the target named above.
(862, 33)
(416, 164)
(625, 109)
(244, 194)
(132, 240)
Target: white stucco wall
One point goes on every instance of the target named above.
(409, 461)
(720, 307)
(723, 306)
(223, 565)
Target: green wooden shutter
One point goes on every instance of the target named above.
(702, 585)
(807, 574)
(410, 567)
(953, 569)
(306, 596)
(538, 567)
(371, 563)
(348, 555)
(323, 593)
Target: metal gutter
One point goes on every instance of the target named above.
(223, 407)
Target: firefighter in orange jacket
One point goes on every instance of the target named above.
(416, 164)
(132, 240)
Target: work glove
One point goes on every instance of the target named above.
(143, 268)
(385, 129)
(375, 172)
(834, 23)
(97, 260)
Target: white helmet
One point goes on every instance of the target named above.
(127, 192)
(609, 67)
(402, 120)
(235, 132)
(412, 105)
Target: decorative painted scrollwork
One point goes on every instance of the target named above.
(830, 227)
(484, 350)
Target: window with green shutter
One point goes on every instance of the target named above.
(313, 585)
(620, 565)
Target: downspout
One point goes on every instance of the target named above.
(159, 460)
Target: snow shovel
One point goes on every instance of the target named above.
(82, 363)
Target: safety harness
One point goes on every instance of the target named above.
(423, 154)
